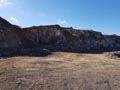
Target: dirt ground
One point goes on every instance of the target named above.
(60, 71)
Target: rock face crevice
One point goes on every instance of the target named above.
(54, 38)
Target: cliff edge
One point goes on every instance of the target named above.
(38, 39)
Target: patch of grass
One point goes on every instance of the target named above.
(60, 71)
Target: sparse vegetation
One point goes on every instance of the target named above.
(60, 71)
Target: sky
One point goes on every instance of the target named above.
(98, 15)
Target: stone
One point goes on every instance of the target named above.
(52, 38)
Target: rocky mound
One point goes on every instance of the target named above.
(53, 38)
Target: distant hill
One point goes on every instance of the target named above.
(41, 39)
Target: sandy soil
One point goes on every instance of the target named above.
(60, 71)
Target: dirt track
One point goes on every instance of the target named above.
(60, 71)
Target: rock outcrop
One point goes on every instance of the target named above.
(18, 40)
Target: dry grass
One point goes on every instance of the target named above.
(60, 71)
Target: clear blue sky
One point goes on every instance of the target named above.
(98, 15)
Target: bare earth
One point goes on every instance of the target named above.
(60, 71)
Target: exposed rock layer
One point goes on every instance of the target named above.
(54, 38)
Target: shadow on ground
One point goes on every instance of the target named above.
(42, 52)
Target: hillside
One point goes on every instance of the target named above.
(46, 39)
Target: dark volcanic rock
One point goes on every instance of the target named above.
(8, 38)
(57, 38)
(5, 24)
(53, 38)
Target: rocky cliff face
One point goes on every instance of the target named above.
(54, 38)
(8, 38)
(57, 38)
